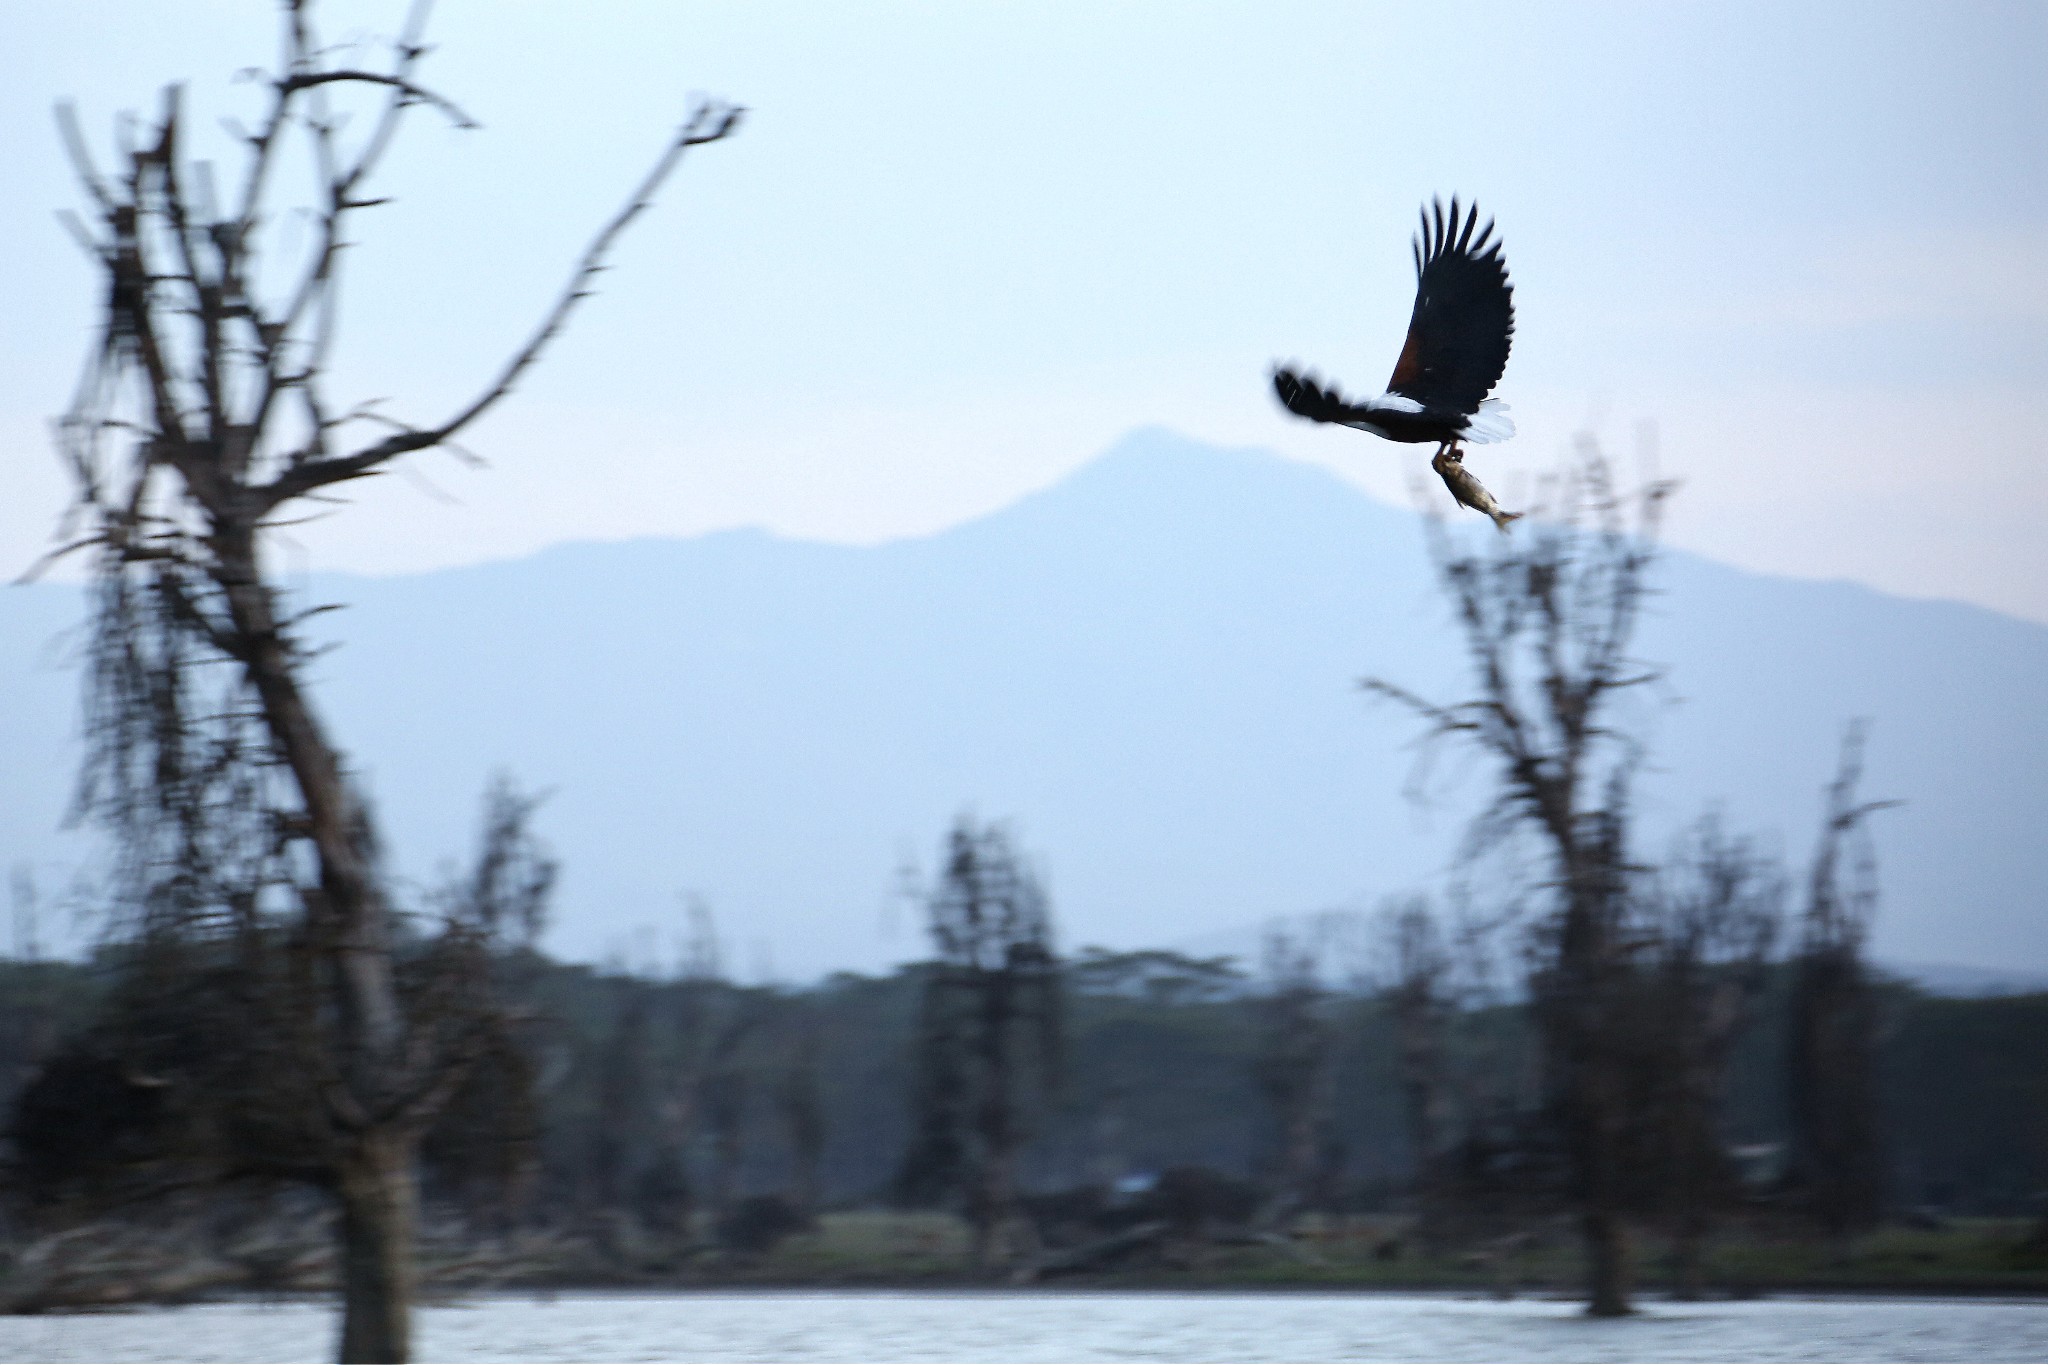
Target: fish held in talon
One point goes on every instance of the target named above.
(1449, 464)
(1459, 334)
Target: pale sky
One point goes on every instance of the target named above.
(958, 249)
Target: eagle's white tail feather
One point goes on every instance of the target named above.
(1491, 423)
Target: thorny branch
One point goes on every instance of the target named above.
(710, 123)
(214, 357)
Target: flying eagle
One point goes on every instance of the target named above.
(1458, 339)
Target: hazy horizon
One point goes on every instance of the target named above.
(953, 252)
(1149, 668)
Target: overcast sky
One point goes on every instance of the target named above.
(959, 248)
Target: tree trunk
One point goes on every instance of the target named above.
(378, 1201)
(351, 940)
(1688, 1261)
(1607, 1287)
(1602, 1228)
(1595, 1099)
(995, 1198)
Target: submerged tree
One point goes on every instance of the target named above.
(988, 1043)
(1548, 617)
(203, 422)
(1835, 1166)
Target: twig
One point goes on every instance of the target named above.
(409, 93)
(709, 123)
(81, 156)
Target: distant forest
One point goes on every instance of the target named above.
(1162, 1066)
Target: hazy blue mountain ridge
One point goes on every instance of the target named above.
(1151, 667)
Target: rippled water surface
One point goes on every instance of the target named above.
(1078, 1326)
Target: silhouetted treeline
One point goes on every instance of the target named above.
(1164, 1068)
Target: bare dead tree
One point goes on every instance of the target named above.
(1711, 921)
(473, 981)
(1295, 1063)
(1548, 616)
(1835, 1168)
(988, 1048)
(506, 895)
(202, 423)
(935, 1168)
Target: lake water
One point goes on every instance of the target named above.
(1073, 1326)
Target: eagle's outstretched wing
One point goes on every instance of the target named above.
(1464, 318)
(1302, 395)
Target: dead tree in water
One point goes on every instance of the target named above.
(1548, 615)
(989, 1035)
(202, 423)
(1835, 1166)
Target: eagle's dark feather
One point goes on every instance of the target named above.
(1305, 396)
(1464, 318)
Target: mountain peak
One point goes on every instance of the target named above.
(1149, 666)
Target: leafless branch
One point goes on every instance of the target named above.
(207, 758)
(408, 92)
(79, 233)
(48, 560)
(80, 153)
(710, 123)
